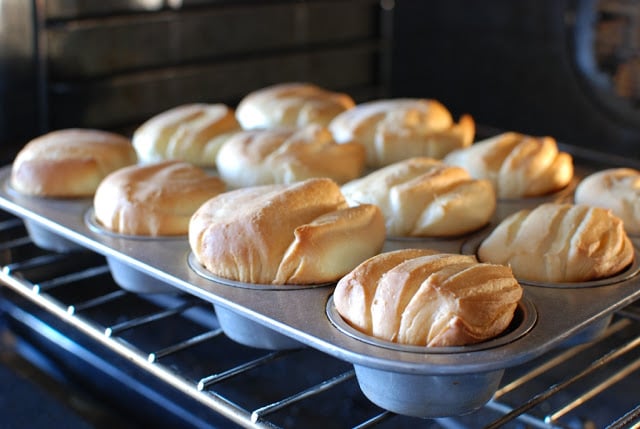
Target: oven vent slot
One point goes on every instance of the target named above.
(176, 339)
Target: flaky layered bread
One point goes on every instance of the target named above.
(425, 197)
(518, 165)
(426, 298)
(269, 156)
(396, 129)
(302, 233)
(617, 189)
(291, 105)
(560, 243)
(153, 199)
(190, 132)
(69, 163)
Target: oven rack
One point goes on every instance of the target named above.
(129, 325)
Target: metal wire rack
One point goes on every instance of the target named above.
(175, 349)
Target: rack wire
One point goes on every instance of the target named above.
(176, 340)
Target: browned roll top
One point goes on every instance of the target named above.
(269, 156)
(560, 243)
(517, 165)
(153, 199)
(423, 297)
(303, 233)
(69, 163)
(424, 197)
(291, 105)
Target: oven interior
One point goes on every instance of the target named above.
(108, 357)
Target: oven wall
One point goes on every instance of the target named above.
(18, 83)
(111, 65)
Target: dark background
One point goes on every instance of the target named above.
(524, 65)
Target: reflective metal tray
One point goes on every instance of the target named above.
(301, 314)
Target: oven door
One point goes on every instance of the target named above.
(565, 68)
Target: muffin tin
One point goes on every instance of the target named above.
(424, 383)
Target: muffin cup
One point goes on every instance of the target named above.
(432, 395)
(40, 235)
(133, 280)
(240, 328)
(250, 333)
(589, 333)
(427, 396)
(46, 239)
(125, 274)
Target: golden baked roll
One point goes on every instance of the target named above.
(396, 129)
(518, 165)
(427, 298)
(269, 156)
(291, 105)
(153, 199)
(190, 132)
(69, 163)
(424, 197)
(560, 243)
(617, 189)
(302, 233)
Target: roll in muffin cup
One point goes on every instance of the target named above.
(437, 394)
(594, 329)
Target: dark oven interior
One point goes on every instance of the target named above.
(78, 351)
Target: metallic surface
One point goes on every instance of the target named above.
(561, 312)
(524, 319)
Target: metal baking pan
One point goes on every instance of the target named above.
(303, 315)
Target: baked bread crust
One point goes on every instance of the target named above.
(396, 129)
(69, 163)
(617, 189)
(153, 199)
(424, 197)
(291, 105)
(190, 132)
(302, 233)
(560, 243)
(270, 156)
(518, 165)
(426, 298)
